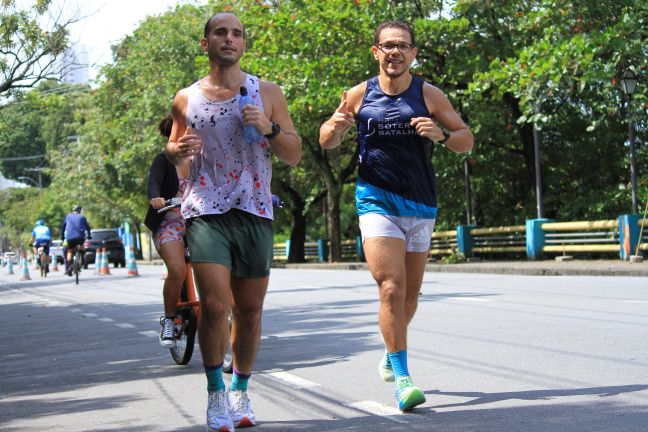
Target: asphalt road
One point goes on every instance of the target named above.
(491, 352)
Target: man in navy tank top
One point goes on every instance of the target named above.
(227, 207)
(400, 120)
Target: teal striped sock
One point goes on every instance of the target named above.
(239, 381)
(214, 378)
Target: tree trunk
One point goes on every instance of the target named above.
(333, 217)
(297, 233)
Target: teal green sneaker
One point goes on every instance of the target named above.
(385, 369)
(408, 395)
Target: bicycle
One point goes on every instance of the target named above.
(77, 262)
(43, 262)
(187, 312)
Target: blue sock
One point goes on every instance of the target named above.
(385, 360)
(398, 361)
(239, 381)
(214, 378)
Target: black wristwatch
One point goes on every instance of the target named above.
(446, 134)
(275, 131)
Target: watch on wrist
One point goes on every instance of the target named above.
(446, 134)
(275, 131)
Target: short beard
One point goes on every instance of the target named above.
(392, 74)
(222, 61)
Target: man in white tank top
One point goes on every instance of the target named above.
(228, 207)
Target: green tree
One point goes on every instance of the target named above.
(494, 59)
(29, 50)
(33, 123)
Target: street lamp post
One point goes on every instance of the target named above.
(467, 173)
(629, 81)
(536, 151)
(40, 175)
(31, 180)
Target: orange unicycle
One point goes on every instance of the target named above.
(186, 320)
(187, 313)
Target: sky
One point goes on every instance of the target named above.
(108, 21)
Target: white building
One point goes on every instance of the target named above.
(75, 66)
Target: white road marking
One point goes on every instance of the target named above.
(123, 362)
(292, 380)
(471, 299)
(381, 410)
(149, 333)
(125, 325)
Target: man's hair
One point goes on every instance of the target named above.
(208, 23)
(77, 208)
(165, 125)
(393, 24)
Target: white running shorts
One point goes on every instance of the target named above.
(416, 231)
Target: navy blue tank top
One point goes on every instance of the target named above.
(395, 172)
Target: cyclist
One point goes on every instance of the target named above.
(73, 231)
(41, 237)
(168, 181)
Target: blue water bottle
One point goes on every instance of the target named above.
(250, 133)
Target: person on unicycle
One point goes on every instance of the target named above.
(167, 181)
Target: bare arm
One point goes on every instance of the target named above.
(287, 144)
(333, 130)
(461, 139)
(183, 143)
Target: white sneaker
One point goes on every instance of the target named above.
(385, 369)
(218, 413)
(240, 410)
(167, 338)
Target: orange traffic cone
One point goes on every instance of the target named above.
(25, 270)
(130, 262)
(105, 267)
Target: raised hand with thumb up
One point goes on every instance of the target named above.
(333, 130)
(342, 120)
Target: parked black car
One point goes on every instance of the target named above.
(108, 238)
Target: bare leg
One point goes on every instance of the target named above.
(415, 269)
(247, 306)
(173, 255)
(213, 281)
(399, 275)
(386, 261)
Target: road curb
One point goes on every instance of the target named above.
(533, 268)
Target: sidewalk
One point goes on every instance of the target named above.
(527, 268)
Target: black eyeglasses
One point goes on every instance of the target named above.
(404, 48)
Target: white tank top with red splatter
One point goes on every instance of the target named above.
(229, 173)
